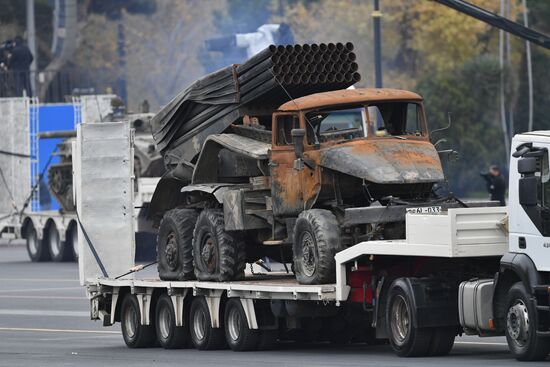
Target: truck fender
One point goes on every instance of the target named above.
(514, 267)
(434, 302)
(167, 195)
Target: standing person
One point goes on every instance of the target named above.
(496, 184)
(19, 62)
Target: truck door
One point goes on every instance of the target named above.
(286, 189)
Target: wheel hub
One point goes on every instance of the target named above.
(400, 320)
(171, 251)
(517, 323)
(308, 254)
(208, 254)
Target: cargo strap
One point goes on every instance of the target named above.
(91, 246)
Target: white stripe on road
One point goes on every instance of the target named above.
(482, 343)
(58, 330)
(45, 313)
(40, 289)
(42, 297)
(37, 280)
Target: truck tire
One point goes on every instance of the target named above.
(169, 335)
(405, 339)
(71, 240)
(316, 241)
(35, 247)
(219, 256)
(175, 244)
(267, 339)
(238, 335)
(443, 339)
(134, 333)
(521, 326)
(203, 335)
(58, 249)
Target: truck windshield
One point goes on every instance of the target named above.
(342, 124)
(396, 118)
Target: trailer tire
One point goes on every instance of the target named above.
(169, 335)
(35, 248)
(134, 333)
(267, 339)
(442, 342)
(203, 335)
(238, 335)
(316, 241)
(175, 244)
(406, 339)
(219, 255)
(521, 326)
(72, 241)
(58, 249)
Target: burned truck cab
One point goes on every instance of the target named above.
(355, 153)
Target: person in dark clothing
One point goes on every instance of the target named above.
(496, 184)
(19, 62)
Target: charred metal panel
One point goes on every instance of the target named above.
(206, 169)
(286, 187)
(234, 211)
(385, 160)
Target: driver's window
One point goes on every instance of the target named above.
(285, 124)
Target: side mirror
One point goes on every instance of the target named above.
(527, 166)
(298, 141)
(528, 189)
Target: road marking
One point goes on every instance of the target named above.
(45, 313)
(40, 289)
(37, 280)
(482, 343)
(59, 330)
(42, 297)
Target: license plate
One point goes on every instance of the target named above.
(425, 210)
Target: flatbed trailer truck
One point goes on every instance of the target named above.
(458, 271)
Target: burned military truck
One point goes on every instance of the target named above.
(296, 173)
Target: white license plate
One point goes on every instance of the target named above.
(425, 210)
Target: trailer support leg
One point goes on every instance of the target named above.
(177, 301)
(114, 300)
(250, 312)
(213, 303)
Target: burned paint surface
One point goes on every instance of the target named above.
(385, 160)
(349, 96)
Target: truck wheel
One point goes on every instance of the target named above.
(267, 339)
(405, 339)
(175, 246)
(238, 335)
(169, 335)
(219, 255)
(521, 326)
(72, 241)
(35, 247)
(203, 335)
(134, 333)
(58, 249)
(442, 342)
(316, 241)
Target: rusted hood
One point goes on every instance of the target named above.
(385, 161)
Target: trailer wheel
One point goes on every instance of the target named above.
(267, 339)
(35, 247)
(134, 333)
(521, 326)
(442, 342)
(72, 241)
(203, 335)
(58, 250)
(169, 335)
(238, 335)
(175, 246)
(219, 255)
(316, 241)
(406, 339)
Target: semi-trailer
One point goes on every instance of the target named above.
(476, 271)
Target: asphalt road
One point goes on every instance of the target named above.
(44, 322)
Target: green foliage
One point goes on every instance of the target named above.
(470, 93)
